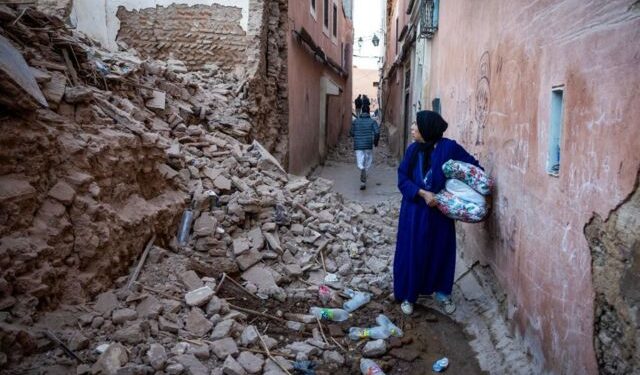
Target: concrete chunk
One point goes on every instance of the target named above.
(197, 323)
(224, 347)
(123, 315)
(250, 362)
(374, 348)
(199, 297)
(249, 336)
(240, 245)
(111, 360)
(106, 303)
(192, 365)
(157, 356)
(232, 367)
(248, 259)
(149, 308)
(191, 280)
(222, 329)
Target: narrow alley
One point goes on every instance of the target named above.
(183, 189)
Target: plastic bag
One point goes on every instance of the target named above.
(464, 192)
(471, 175)
(458, 209)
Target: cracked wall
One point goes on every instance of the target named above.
(615, 251)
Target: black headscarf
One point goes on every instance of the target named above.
(431, 127)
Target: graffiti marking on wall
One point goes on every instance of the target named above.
(518, 148)
(483, 97)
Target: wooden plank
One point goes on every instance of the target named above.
(136, 272)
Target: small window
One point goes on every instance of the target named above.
(555, 131)
(325, 11)
(436, 106)
(313, 8)
(335, 20)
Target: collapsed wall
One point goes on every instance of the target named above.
(82, 185)
(615, 250)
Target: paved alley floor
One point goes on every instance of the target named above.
(340, 167)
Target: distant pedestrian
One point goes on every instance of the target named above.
(425, 257)
(358, 103)
(366, 101)
(366, 134)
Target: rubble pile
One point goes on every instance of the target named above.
(101, 159)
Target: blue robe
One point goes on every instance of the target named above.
(425, 256)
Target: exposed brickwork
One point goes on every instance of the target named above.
(197, 35)
(267, 88)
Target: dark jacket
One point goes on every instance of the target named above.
(366, 101)
(364, 131)
(358, 102)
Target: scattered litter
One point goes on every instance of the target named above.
(369, 367)
(358, 299)
(393, 329)
(336, 315)
(375, 333)
(441, 364)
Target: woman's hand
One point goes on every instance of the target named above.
(429, 197)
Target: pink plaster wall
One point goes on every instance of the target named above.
(393, 84)
(512, 53)
(304, 77)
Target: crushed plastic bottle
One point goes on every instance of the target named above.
(336, 315)
(369, 367)
(185, 227)
(357, 300)
(441, 364)
(375, 333)
(325, 294)
(392, 328)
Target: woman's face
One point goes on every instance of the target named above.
(415, 133)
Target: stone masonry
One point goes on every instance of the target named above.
(197, 35)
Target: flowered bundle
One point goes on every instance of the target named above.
(463, 197)
(458, 209)
(469, 174)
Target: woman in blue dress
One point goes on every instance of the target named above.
(425, 256)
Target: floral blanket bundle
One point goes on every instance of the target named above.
(469, 174)
(463, 197)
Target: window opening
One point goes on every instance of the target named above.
(555, 131)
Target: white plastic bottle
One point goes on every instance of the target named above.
(392, 328)
(369, 367)
(358, 299)
(336, 315)
(379, 332)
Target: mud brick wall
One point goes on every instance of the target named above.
(266, 87)
(197, 35)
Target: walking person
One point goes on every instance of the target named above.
(358, 103)
(366, 134)
(366, 101)
(425, 256)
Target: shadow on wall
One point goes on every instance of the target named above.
(615, 248)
